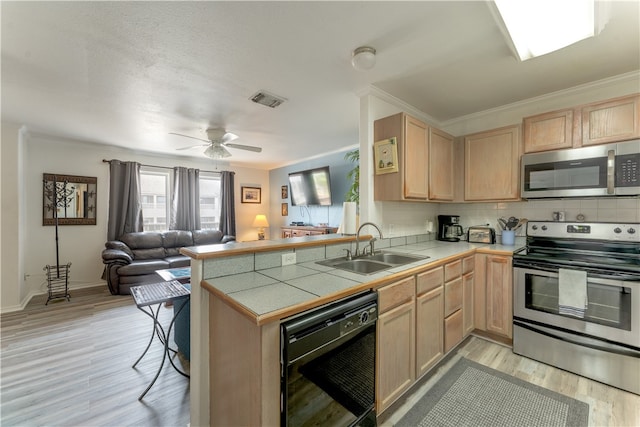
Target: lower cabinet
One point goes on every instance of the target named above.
(396, 342)
(429, 320)
(499, 313)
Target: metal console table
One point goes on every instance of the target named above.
(145, 296)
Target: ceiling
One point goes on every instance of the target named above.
(129, 73)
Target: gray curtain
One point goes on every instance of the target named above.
(185, 203)
(227, 209)
(125, 207)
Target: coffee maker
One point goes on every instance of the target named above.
(449, 229)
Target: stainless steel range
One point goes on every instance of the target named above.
(577, 299)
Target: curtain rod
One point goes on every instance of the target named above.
(154, 166)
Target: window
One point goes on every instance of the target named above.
(156, 187)
(209, 201)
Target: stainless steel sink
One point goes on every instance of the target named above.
(393, 258)
(371, 263)
(362, 266)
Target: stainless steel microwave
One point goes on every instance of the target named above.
(600, 170)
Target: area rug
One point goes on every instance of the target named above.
(470, 394)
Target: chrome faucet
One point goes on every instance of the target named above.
(373, 239)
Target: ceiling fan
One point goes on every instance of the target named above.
(217, 143)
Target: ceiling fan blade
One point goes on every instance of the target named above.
(245, 147)
(228, 137)
(193, 146)
(187, 136)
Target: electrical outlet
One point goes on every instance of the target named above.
(289, 259)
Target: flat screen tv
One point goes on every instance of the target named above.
(311, 187)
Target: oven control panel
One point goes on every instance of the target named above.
(628, 232)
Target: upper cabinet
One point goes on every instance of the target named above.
(425, 161)
(491, 167)
(441, 165)
(598, 123)
(411, 180)
(611, 121)
(548, 131)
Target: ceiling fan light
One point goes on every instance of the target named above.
(363, 58)
(216, 151)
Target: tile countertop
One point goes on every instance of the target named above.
(272, 294)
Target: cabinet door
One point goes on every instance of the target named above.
(499, 279)
(492, 163)
(611, 121)
(548, 131)
(452, 296)
(429, 330)
(467, 304)
(396, 354)
(441, 166)
(415, 159)
(452, 330)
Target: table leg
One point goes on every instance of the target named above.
(153, 332)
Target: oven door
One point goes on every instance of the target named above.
(611, 315)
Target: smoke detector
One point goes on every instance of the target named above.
(268, 99)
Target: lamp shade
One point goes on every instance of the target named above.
(216, 151)
(260, 221)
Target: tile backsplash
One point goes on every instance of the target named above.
(411, 218)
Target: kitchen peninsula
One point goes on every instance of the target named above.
(245, 292)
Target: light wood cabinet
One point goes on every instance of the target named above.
(468, 291)
(549, 131)
(429, 320)
(411, 181)
(492, 163)
(441, 165)
(499, 294)
(611, 121)
(453, 325)
(395, 366)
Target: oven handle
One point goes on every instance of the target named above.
(610, 275)
(581, 340)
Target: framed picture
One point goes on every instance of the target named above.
(285, 209)
(385, 156)
(251, 195)
(285, 191)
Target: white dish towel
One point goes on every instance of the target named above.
(572, 292)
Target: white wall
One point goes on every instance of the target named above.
(79, 244)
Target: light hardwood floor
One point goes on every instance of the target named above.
(69, 364)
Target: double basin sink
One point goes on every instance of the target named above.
(369, 264)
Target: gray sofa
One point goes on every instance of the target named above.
(134, 258)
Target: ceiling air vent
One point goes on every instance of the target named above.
(265, 98)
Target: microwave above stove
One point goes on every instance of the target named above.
(600, 170)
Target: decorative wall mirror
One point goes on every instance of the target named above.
(69, 199)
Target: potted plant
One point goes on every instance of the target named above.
(353, 193)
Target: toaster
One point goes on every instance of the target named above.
(479, 234)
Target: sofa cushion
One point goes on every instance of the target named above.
(143, 267)
(154, 253)
(178, 261)
(206, 237)
(142, 240)
(176, 239)
(115, 244)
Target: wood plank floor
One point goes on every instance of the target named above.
(69, 364)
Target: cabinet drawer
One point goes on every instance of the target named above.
(452, 270)
(452, 296)
(452, 330)
(468, 264)
(395, 294)
(429, 280)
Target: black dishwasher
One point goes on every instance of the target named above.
(328, 364)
